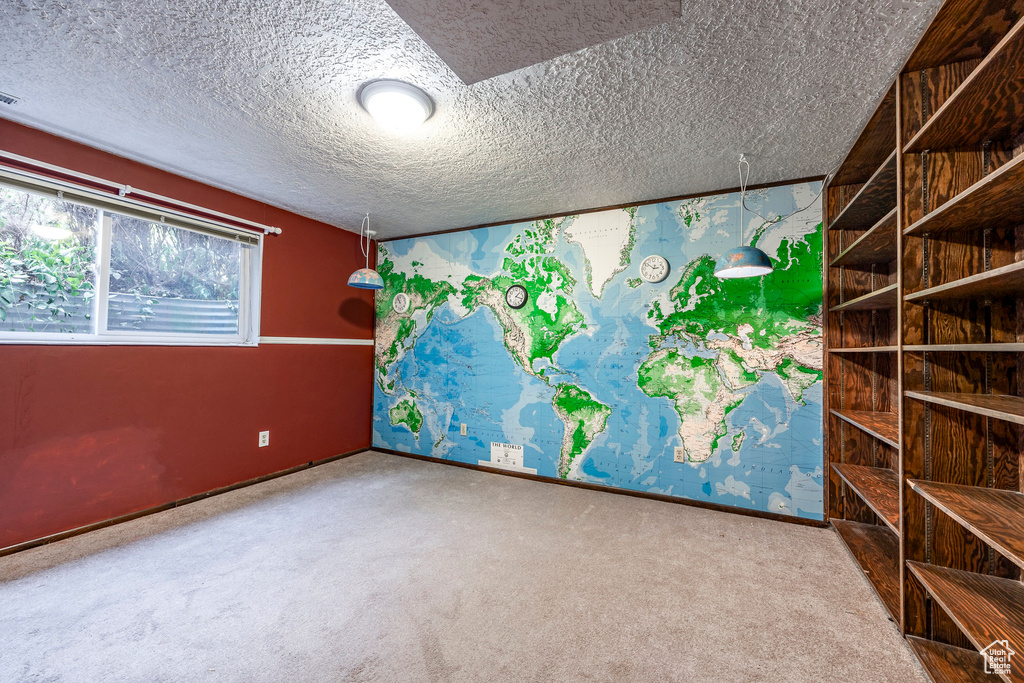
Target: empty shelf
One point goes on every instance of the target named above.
(994, 515)
(995, 283)
(984, 607)
(876, 551)
(877, 245)
(878, 487)
(995, 347)
(873, 202)
(878, 299)
(884, 426)
(949, 664)
(999, 406)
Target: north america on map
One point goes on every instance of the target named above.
(693, 386)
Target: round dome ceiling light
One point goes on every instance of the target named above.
(396, 105)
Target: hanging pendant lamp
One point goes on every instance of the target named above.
(366, 278)
(743, 261)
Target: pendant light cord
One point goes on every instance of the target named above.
(743, 186)
(365, 227)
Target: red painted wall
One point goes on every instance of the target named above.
(88, 433)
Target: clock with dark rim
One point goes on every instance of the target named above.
(516, 296)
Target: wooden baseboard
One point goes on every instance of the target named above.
(35, 543)
(611, 489)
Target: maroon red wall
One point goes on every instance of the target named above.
(88, 433)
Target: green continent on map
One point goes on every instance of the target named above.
(394, 330)
(701, 399)
(550, 316)
(797, 378)
(775, 305)
(584, 418)
(405, 412)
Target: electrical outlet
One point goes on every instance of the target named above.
(264, 439)
(679, 454)
(463, 429)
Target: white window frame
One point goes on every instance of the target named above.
(249, 287)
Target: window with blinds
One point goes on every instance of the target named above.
(75, 270)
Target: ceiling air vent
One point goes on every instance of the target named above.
(7, 99)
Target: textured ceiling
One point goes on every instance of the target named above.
(259, 97)
(481, 39)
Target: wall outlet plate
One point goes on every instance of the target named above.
(679, 454)
(264, 439)
(462, 429)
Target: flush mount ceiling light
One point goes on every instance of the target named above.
(396, 105)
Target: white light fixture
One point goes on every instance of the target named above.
(396, 105)
(51, 232)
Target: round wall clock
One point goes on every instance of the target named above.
(400, 303)
(516, 296)
(654, 268)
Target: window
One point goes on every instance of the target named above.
(75, 272)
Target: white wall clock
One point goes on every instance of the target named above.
(516, 296)
(654, 268)
(400, 303)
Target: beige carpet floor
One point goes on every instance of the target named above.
(382, 568)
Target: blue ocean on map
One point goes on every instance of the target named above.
(457, 369)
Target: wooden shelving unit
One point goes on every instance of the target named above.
(924, 329)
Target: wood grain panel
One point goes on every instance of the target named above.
(1010, 408)
(949, 664)
(998, 282)
(995, 515)
(873, 201)
(985, 608)
(988, 104)
(881, 298)
(876, 245)
(875, 142)
(964, 29)
(884, 426)
(994, 201)
(876, 551)
(876, 486)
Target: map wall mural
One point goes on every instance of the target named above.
(693, 386)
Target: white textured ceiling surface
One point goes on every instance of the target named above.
(480, 39)
(259, 97)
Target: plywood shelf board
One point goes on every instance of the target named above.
(877, 245)
(992, 202)
(873, 145)
(996, 283)
(985, 608)
(876, 551)
(962, 30)
(998, 406)
(949, 664)
(886, 297)
(868, 349)
(994, 515)
(873, 201)
(883, 426)
(988, 105)
(878, 487)
(994, 347)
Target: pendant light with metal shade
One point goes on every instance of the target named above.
(743, 261)
(366, 278)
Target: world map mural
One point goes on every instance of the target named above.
(693, 386)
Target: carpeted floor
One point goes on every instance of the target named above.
(381, 568)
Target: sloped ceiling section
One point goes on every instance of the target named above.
(483, 39)
(259, 97)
